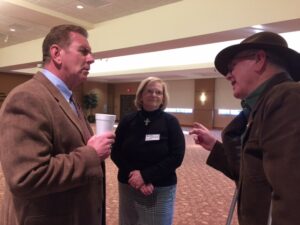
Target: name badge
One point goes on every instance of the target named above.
(152, 137)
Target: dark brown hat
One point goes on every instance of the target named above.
(263, 40)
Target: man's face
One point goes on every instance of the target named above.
(242, 75)
(76, 60)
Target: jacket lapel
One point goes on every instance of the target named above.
(277, 79)
(63, 104)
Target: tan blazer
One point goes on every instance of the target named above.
(52, 177)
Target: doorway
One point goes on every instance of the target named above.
(126, 105)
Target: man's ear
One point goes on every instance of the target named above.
(261, 61)
(55, 52)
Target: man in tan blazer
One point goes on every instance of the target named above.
(51, 161)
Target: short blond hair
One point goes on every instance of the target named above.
(138, 97)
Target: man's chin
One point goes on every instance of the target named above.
(82, 79)
(236, 94)
(84, 75)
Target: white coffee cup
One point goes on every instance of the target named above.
(104, 122)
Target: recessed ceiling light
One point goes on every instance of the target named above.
(6, 39)
(257, 30)
(79, 7)
(12, 29)
(258, 27)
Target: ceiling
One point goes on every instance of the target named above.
(32, 19)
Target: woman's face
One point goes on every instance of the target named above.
(152, 96)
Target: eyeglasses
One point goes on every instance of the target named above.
(151, 92)
(238, 59)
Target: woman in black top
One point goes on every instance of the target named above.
(149, 146)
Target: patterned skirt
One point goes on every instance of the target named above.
(137, 209)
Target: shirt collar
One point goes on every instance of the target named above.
(58, 83)
(250, 101)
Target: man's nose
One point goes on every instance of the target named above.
(90, 58)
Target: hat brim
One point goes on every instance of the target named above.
(291, 57)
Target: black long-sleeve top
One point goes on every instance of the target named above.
(156, 148)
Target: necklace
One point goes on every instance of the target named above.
(147, 121)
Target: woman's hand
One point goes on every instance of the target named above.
(147, 189)
(135, 179)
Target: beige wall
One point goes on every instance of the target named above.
(224, 100)
(221, 121)
(183, 94)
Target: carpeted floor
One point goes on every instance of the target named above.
(203, 194)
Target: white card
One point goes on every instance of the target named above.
(152, 137)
